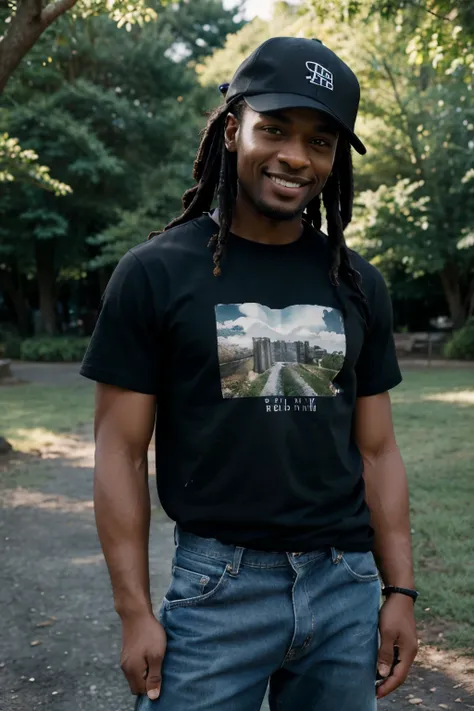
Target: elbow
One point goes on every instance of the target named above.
(379, 452)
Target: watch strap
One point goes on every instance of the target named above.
(389, 589)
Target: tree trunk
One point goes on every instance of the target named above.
(10, 286)
(450, 280)
(45, 271)
(25, 28)
(470, 299)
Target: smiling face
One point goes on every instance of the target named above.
(283, 158)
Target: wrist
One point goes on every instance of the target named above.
(409, 594)
(134, 611)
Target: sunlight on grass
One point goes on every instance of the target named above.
(33, 415)
(463, 397)
(33, 439)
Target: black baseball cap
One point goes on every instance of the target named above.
(292, 72)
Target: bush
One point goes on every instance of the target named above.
(461, 345)
(10, 344)
(54, 349)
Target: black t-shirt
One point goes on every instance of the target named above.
(256, 374)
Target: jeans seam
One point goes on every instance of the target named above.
(268, 566)
(286, 658)
(371, 577)
(309, 638)
(313, 560)
(197, 599)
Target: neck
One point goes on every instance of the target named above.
(250, 224)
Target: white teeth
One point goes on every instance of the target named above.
(285, 183)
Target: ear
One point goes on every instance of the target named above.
(231, 133)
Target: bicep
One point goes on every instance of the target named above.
(373, 425)
(124, 420)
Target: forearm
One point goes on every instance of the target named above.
(122, 509)
(387, 498)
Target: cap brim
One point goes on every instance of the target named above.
(265, 103)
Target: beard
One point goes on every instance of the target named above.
(271, 213)
(277, 215)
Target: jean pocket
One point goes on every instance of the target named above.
(360, 566)
(195, 579)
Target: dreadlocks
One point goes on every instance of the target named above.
(215, 173)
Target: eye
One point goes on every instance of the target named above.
(272, 130)
(320, 142)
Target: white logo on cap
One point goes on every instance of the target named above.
(319, 75)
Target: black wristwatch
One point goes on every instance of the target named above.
(389, 589)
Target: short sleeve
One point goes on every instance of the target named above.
(377, 368)
(124, 348)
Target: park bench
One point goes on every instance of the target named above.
(426, 343)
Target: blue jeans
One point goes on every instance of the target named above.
(237, 619)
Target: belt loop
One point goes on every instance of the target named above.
(238, 553)
(175, 535)
(336, 555)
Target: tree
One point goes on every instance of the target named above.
(198, 27)
(195, 29)
(19, 164)
(22, 23)
(96, 115)
(440, 33)
(454, 11)
(117, 119)
(26, 20)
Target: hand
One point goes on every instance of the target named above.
(397, 628)
(143, 650)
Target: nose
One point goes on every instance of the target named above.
(294, 154)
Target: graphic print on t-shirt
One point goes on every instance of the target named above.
(292, 352)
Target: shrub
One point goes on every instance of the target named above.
(10, 344)
(461, 345)
(54, 349)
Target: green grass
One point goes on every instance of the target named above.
(254, 388)
(33, 414)
(434, 423)
(317, 378)
(290, 387)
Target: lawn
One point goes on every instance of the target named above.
(33, 414)
(434, 421)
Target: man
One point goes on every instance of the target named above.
(264, 349)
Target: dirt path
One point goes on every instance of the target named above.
(59, 635)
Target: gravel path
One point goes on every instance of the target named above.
(59, 635)
(273, 385)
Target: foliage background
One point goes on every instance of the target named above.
(99, 125)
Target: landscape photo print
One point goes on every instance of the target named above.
(293, 352)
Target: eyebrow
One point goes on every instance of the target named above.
(318, 126)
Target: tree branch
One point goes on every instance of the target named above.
(25, 28)
(54, 9)
(403, 113)
(428, 10)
